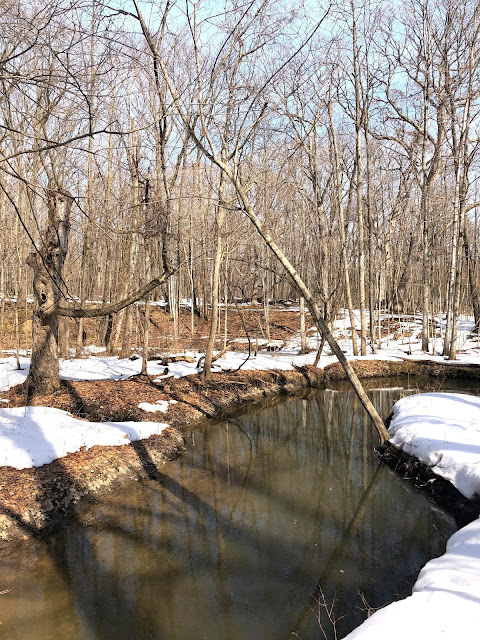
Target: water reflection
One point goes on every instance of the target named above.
(264, 515)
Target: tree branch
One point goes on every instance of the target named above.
(107, 309)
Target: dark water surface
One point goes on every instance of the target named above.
(268, 517)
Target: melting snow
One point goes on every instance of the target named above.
(33, 436)
(443, 431)
(160, 405)
(445, 602)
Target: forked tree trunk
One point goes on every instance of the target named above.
(47, 265)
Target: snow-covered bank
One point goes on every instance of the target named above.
(112, 368)
(99, 367)
(445, 602)
(34, 436)
(443, 431)
(401, 340)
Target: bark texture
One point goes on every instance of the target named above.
(47, 265)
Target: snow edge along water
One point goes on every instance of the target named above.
(443, 431)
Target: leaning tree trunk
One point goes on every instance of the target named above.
(312, 305)
(47, 265)
(241, 192)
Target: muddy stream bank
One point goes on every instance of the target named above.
(37, 500)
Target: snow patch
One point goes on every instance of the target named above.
(160, 405)
(445, 602)
(442, 430)
(33, 436)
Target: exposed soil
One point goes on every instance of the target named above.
(425, 368)
(35, 500)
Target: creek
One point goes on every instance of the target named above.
(276, 523)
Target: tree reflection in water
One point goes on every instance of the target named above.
(236, 539)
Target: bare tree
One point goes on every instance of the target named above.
(229, 164)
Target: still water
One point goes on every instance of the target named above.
(268, 520)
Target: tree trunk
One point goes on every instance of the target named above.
(472, 282)
(64, 337)
(146, 333)
(341, 226)
(303, 330)
(47, 266)
(216, 279)
(371, 229)
(398, 296)
(425, 273)
(359, 188)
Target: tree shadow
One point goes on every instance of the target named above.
(57, 503)
(56, 487)
(111, 600)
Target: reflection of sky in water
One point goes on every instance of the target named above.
(230, 541)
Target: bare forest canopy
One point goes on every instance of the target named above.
(349, 130)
